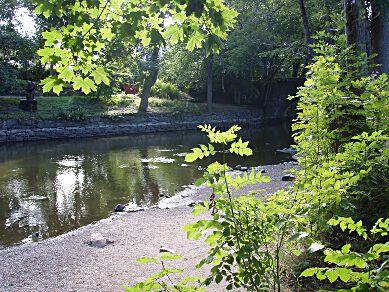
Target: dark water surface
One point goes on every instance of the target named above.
(56, 186)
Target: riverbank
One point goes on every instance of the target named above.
(13, 130)
(66, 263)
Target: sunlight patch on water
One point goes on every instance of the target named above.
(160, 159)
(71, 161)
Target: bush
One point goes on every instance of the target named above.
(364, 270)
(167, 90)
(116, 100)
(73, 114)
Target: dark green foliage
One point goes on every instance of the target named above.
(366, 269)
(168, 91)
(17, 62)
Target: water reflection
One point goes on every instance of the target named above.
(54, 187)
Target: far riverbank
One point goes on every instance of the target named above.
(32, 130)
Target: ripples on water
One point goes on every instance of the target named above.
(53, 187)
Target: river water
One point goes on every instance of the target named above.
(53, 187)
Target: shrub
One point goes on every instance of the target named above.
(167, 90)
(365, 270)
(73, 114)
(162, 280)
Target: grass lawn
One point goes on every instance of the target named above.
(84, 107)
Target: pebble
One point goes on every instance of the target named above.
(162, 249)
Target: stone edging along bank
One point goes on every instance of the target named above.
(33, 130)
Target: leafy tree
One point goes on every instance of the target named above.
(76, 49)
(17, 53)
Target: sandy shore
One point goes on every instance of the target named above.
(66, 263)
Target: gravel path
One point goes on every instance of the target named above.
(66, 263)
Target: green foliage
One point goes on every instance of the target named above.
(162, 280)
(167, 90)
(362, 270)
(341, 141)
(73, 114)
(17, 62)
(182, 68)
(341, 134)
(250, 238)
(247, 235)
(77, 49)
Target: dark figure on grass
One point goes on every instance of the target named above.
(30, 91)
(30, 103)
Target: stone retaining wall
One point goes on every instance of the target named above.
(14, 130)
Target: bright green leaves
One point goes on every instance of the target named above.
(106, 33)
(52, 37)
(243, 229)
(240, 181)
(174, 34)
(241, 148)
(195, 230)
(52, 83)
(195, 41)
(200, 153)
(348, 223)
(218, 137)
(147, 260)
(331, 274)
(364, 269)
(100, 75)
(85, 84)
(46, 54)
(381, 227)
(345, 258)
(45, 8)
(161, 280)
(92, 26)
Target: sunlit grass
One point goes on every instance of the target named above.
(84, 107)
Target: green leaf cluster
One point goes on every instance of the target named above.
(162, 280)
(364, 270)
(77, 49)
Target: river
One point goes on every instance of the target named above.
(53, 187)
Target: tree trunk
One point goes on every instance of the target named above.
(355, 28)
(209, 61)
(150, 80)
(380, 33)
(307, 31)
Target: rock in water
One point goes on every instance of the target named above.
(288, 177)
(120, 208)
(241, 168)
(290, 151)
(98, 240)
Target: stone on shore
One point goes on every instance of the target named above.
(288, 177)
(98, 240)
(120, 208)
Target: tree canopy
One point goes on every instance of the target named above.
(76, 49)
